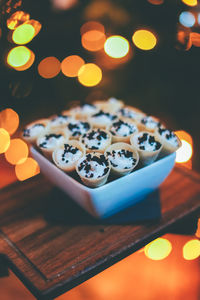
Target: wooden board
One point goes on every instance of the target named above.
(52, 245)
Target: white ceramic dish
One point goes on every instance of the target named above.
(114, 196)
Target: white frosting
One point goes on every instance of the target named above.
(103, 119)
(50, 142)
(120, 161)
(169, 136)
(121, 128)
(130, 113)
(77, 128)
(68, 158)
(85, 109)
(149, 143)
(91, 142)
(114, 103)
(60, 121)
(34, 130)
(94, 169)
(150, 122)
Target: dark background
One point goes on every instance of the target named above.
(163, 82)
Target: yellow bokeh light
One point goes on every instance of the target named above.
(190, 2)
(23, 34)
(4, 140)
(36, 25)
(184, 153)
(27, 169)
(71, 65)
(158, 249)
(17, 152)
(89, 75)
(9, 120)
(18, 56)
(49, 67)
(144, 39)
(28, 64)
(191, 249)
(116, 46)
(16, 19)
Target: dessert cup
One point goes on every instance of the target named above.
(102, 119)
(121, 130)
(130, 112)
(93, 169)
(66, 155)
(33, 130)
(169, 139)
(96, 140)
(123, 158)
(149, 124)
(111, 105)
(59, 121)
(147, 145)
(77, 128)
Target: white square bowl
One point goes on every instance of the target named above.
(114, 196)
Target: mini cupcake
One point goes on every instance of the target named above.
(34, 130)
(111, 105)
(149, 124)
(169, 140)
(93, 169)
(123, 158)
(66, 156)
(130, 112)
(51, 140)
(77, 128)
(96, 140)
(84, 111)
(122, 130)
(59, 121)
(102, 119)
(147, 146)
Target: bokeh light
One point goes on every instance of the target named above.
(35, 24)
(23, 34)
(156, 2)
(28, 64)
(16, 19)
(17, 152)
(144, 39)
(198, 19)
(71, 65)
(184, 153)
(27, 169)
(49, 67)
(93, 40)
(116, 46)
(191, 250)
(4, 140)
(92, 25)
(187, 19)
(18, 56)
(190, 2)
(184, 41)
(158, 249)
(9, 120)
(89, 75)
(195, 39)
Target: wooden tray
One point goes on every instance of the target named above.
(52, 245)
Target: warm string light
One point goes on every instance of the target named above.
(190, 2)
(15, 150)
(89, 75)
(184, 153)
(144, 39)
(116, 46)
(49, 67)
(71, 65)
(191, 249)
(156, 2)
(23, 34)
(16, 19)
(158, 249)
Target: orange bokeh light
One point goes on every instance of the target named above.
(16, 19)
(27, 169)
(49, 67)
(92, 25)
(184, 153)
(17, 152)
(9, 120)
(195, 39)
(71, 65)
(156, 2)
(4, 140)
(93, 40)
(89, 75)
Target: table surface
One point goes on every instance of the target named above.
(52, 245)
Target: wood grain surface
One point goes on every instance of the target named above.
(52, 245)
